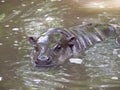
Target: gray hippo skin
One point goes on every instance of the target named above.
(57, 45)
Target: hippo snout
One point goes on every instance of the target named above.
(43, 61)
(43, 58)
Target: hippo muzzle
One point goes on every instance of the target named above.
(43, 61)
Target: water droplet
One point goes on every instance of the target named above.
(15, 29)
(1, 44)
(23, 5)
(19, 48)
(7, 26)
(27, 56)
(39, 9)
(32, 2)
(49, 19)
(53, 0)
(16, 45)
(11, 20)
(90, 87)
(115, 51)
(1, 78)
(15, 41)
(78, 17)
(115, 78)
(2, 1)
(7, 37)
(119, 55)
(24, 37)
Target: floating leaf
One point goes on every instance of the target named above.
(2, 16)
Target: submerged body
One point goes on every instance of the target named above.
(57, 45)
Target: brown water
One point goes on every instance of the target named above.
(19, 19)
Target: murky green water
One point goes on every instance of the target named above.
(19, 19)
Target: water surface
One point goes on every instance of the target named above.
(100, 66)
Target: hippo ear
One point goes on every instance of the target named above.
(71, 40)
(33, 40)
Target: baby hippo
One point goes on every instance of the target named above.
(57, 45)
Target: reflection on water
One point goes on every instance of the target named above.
(99, 4)
(100, 67)
(100, 71)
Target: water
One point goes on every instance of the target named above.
(100, 67)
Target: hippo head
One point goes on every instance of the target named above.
(52, 48)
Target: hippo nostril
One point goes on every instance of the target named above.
(43, 58)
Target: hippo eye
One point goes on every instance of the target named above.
(58, 47)
(36, 48)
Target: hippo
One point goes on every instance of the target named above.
(57, 45)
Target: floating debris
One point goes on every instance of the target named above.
(76, 60)
(114, 78)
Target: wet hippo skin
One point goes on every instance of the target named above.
(57, 45)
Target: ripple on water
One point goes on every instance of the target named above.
(37, 79)
(100, 71)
